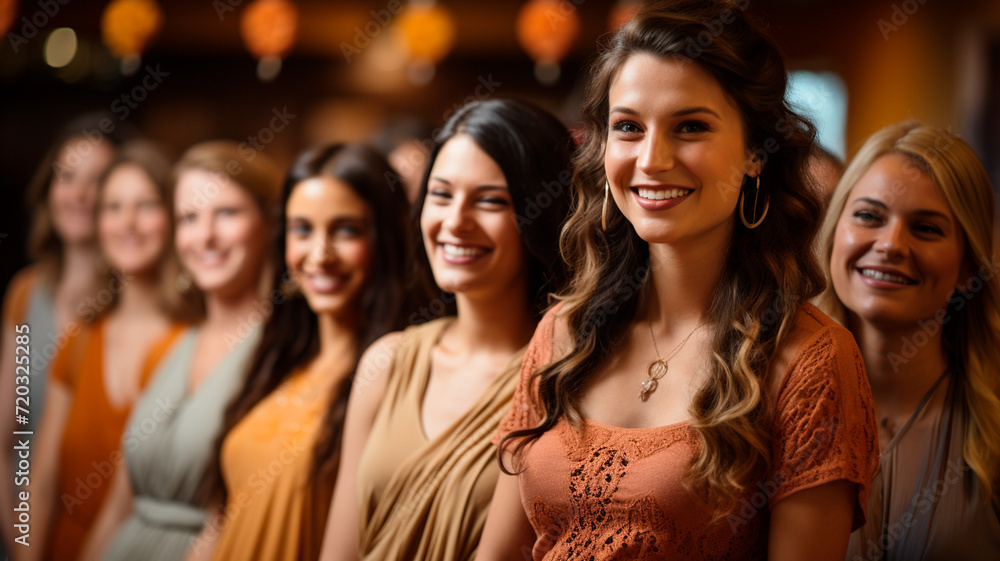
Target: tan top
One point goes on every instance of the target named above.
(926, 503)
(610, 493)
(428, 500)
(276, 510)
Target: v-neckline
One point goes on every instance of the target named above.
(894, 441)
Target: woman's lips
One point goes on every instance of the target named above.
(659, 198)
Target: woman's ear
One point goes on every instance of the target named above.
(755, 162)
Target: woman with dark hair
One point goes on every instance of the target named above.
(97, 376)
(342, 255)
(48, 294)
(684, 400)
(418, 469)
(224, 204)
(907, 248)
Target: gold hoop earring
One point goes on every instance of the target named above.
(604, 210)
(767, 205)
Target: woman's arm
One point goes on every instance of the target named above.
(813, 524)
(508, 534)
(116, 508)
(45, 468)
(340, 540)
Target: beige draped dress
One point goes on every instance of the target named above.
(423, 499)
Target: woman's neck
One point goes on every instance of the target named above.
(492, 324)
(77, 271)
(682, 282)
(338, 340)
(234, 314)
(902, 363)
(137, 296)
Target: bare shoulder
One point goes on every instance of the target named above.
(372, 375)
(811, 326)
(15, 298)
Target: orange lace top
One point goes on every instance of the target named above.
(604, 493)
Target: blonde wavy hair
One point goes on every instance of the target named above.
(768, 272)
(973, 338)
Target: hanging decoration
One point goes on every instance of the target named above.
(621, 13)
(546, 30)
(268, 29)
(128, 27)
(426, 33)
(8, 11)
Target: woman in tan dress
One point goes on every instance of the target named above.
(908, 244)
(418, 468)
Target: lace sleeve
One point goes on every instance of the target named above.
(824, 421)
(525, 411)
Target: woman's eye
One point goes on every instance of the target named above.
(299, 229)
(691, 127)
(186, 218)
(928, 229)
(348, 230)
(866, 216)
(627, 127)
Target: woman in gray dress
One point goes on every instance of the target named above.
(910, 261)
(224, 203)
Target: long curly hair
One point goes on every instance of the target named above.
(972, 336)
(768, 271)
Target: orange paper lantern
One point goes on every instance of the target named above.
(8, 11)
(622, 13)
(546, 29)
(129, 26)
(268, 28)
(426, 32)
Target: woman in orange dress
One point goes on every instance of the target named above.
(50, 294)
(685, 401)
(341, 255)
(101, 371)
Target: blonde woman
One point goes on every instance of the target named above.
(907, 248)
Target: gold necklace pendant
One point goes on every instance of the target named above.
(656, 370)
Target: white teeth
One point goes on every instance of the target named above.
(662, 194)
(323, 283)
(211, 257)
(886, 277)
(456, 251)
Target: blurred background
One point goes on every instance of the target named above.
(281, 75)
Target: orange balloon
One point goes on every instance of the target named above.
(427, 32)
(129, 26)
(268, 27)
(547, 29)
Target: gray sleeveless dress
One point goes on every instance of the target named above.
(926, 503)
(168, 444)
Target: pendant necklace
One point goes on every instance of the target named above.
(658, 368)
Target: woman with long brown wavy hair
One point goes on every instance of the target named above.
(907, 247)
(684, 400)
(342, 255)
